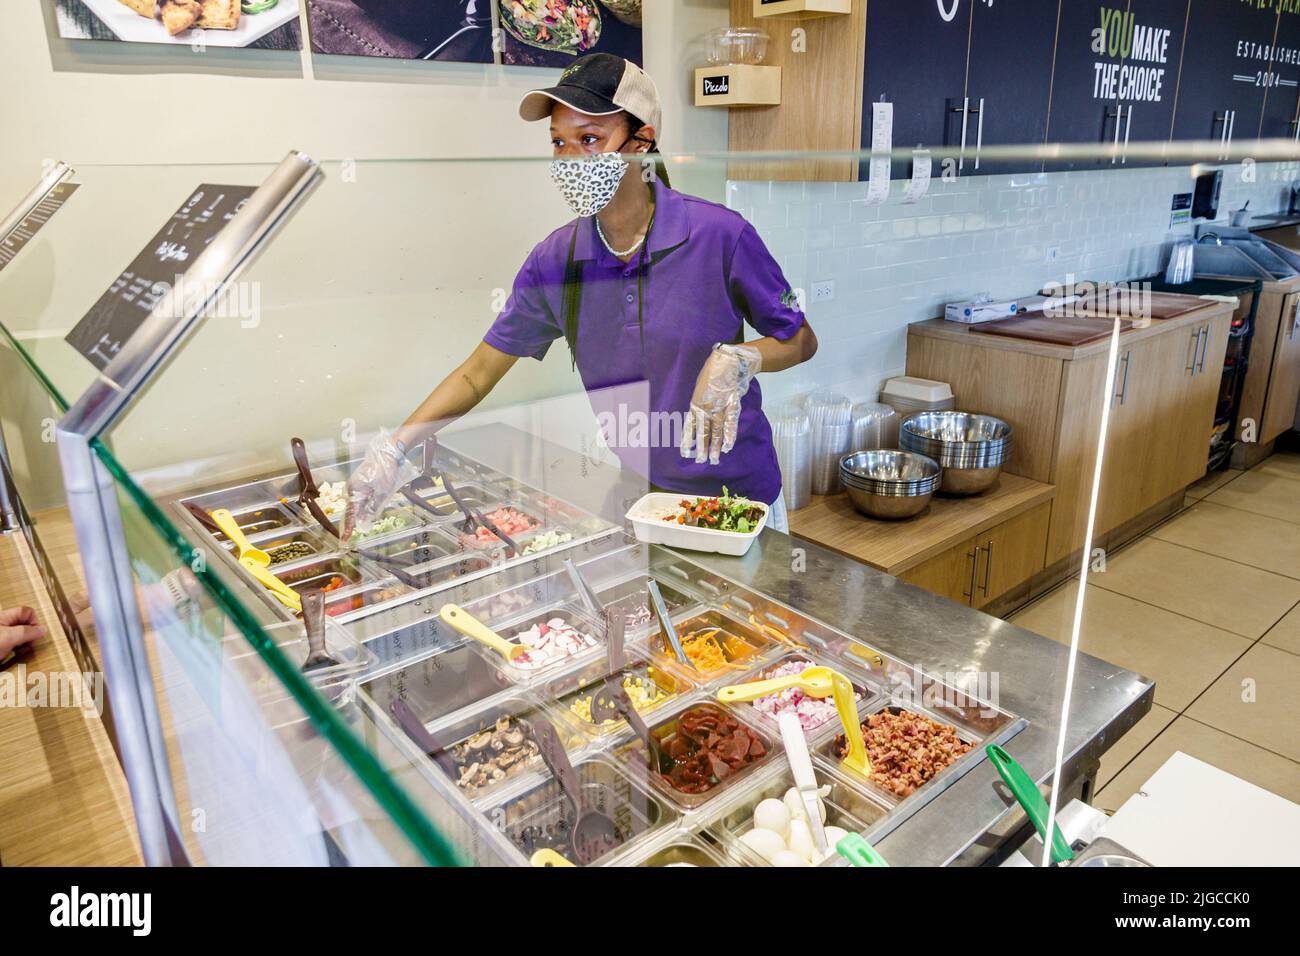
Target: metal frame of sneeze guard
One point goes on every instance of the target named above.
(93, 505)
(57, 174)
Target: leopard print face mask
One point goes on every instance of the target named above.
(588, 184)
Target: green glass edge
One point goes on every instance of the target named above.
(432, 845)
(30, 362)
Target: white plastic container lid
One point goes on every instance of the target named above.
(916, 390)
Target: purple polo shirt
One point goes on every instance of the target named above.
(707, 273)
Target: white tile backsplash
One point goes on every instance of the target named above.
(897, 263)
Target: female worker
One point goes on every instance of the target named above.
(646, 285)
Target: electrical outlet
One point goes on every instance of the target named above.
(1053, 253)
(824, 291)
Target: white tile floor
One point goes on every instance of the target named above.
(1208, 605)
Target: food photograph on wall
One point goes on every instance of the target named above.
(264, 24)
(446, 30)
(555, 32)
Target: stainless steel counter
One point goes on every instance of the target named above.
(944, 638)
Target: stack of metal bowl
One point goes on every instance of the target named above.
(889, 484)
(971, 448)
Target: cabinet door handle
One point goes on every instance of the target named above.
(988, 567)
(974, 565)
(1232, 123)
(979, 134)
(1123, 388)
(1196, 348)
(964, 110)
(1119, 119)
(1223, 133)
(1205, 348)
(1128, 127)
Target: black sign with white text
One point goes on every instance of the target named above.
(120, 311)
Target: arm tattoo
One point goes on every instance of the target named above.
(478, 396)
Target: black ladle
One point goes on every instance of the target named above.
(307, 490)
(594, 834)
(204, 518)
(313, 617)
(414, 729)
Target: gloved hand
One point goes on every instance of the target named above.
(714, 417)
(384, 471)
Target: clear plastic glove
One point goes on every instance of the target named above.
(381, 475)
(714, 417)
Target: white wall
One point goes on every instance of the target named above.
(378, 287)
(896, 264)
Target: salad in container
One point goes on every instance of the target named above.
(724, 524)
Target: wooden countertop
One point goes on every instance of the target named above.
(896, 546)
(959, 332)
(63, 798)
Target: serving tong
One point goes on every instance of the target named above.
(666, 623)
(429, 477)
(307, 490)
(805, 780)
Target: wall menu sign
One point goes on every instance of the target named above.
(120, 311)
(31, 224)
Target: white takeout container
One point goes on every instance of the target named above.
(647, 517)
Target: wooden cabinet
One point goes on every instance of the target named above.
(1229, 58)
(987, 565)
(1284, 381)
(1149, 75)
(1162, 414)
(916, 59)
(1011, 554)
(1161, 402)
(1010, 41)
(1083, 109)
(950, 574)
(1282, 97)
(937, 549)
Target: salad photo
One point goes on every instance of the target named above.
(562, 26)
(724, 513)
(551, 33)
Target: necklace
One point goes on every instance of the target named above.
(631, 249)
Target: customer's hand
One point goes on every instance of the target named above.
(714, 418)
(383, 472)
(18, 626)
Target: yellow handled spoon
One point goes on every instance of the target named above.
(548, 858)
(465, 623)
(256, 561)
(231, 529)
(815, 681)
(846, 705)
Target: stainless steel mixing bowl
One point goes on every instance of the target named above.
(889, 484)
(970, 448)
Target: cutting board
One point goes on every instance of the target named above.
(1163, 305)
(1064, 330)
